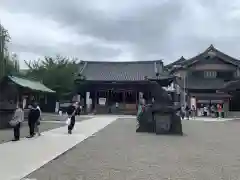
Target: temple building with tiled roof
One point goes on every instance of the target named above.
(116, 86)
(203, 77)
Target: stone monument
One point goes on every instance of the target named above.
(161, 115)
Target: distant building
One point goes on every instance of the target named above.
(16, 89)
(202, 79)
(115, 87)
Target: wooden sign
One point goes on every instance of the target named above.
(102, 101)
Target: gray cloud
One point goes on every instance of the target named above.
(148, 29)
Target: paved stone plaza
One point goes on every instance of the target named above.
(208, 150)
(50, 121)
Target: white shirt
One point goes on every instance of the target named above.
(40, 112)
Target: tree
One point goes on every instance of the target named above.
(8, 64)
(57, 73)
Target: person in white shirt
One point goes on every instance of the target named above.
(37, 130)
(16, 121)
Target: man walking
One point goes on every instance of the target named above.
(33, 117)
(72, 109)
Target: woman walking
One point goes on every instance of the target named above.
(71, 114)
(18, 118)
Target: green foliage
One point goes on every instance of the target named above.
(8, 64)
(57, 73)
(12, 64)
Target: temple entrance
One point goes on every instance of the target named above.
(116, 101)
(124, 101)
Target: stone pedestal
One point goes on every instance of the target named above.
(162, 123)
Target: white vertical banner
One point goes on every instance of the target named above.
(193, 102)
(56, 107)
(88, 103)
(78, 98)
(24, 102)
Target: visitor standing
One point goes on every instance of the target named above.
(71, 114)
(193, 112)
(219, 109)
(205, 111)
(141, 105)
(16, 121)
(37, 125)
(33, 117)
(213, 111)
(182, 112)
(187, 111)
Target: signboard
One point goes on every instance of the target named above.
(203, 101)
(217, 101)
(163, 123)
(102, 101)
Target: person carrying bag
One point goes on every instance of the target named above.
(71, 117)
(16, 121)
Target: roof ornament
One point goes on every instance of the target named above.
(211, 51)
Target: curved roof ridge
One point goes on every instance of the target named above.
(122, 62)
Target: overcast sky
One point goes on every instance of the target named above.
(121, 30)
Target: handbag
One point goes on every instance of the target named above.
(68, 121)
(13, 123)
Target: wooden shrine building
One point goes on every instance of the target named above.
(204, 77)
(115, 87)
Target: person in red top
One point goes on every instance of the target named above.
(219, 109)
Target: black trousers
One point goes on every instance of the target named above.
(205, 113)
(16, 131)
(31, 125)
(72, 123)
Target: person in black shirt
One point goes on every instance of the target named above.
(33, 117)
(72, 109)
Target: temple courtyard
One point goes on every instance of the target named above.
(108, 148)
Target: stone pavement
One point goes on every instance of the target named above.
(207, 151)
(7, 134)
(18, 159)
(210, 119)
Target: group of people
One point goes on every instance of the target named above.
(34, 118)
(188, 112)
(213, 110)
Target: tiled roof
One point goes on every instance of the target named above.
(120, 71)
(34, 85)
(178, 62)
(211, 48)
(232, 85)
(201, 83)
(211, 95)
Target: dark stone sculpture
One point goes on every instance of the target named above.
(160, 116)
